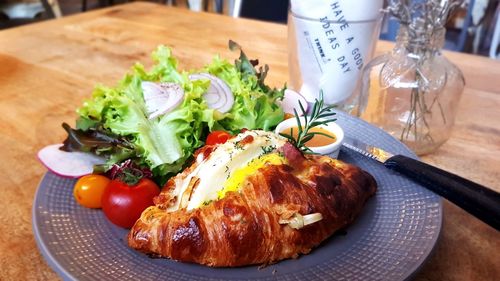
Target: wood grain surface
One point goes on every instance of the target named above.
(48, 69)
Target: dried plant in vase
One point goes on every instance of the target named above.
(414, 90)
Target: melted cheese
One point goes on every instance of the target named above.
(238, 176)
(218, 172)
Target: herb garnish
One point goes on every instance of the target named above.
(321, 114)
(268, 149)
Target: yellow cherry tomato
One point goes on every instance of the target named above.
(88, 190)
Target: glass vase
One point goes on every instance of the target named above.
(413, 92)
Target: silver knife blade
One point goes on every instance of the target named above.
(366, 149)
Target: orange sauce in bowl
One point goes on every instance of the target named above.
(318, 140)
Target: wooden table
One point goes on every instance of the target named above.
(47, 69)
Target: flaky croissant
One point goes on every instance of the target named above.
(265, 220)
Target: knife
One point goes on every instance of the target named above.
(474, 198)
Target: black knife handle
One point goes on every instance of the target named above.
(474, 198)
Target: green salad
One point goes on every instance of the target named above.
(116, 122)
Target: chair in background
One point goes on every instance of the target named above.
(458, 43)
(199, 5)
(52, 8)
(218, 6)
(16, 13)
(495, 40)
(235, 8)
(31, 9)
(101, 3)
(230, 7)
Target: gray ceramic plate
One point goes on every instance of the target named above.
(392, 238)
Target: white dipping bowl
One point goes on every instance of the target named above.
(332, 149)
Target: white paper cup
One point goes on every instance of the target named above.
(328, 55)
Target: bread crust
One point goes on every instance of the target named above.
(244, 227)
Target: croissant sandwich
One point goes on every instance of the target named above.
(255, 199)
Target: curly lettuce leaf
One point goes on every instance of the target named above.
(163, 143)
(255, 104)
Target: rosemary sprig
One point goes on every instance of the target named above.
(321, 114)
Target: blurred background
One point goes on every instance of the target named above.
(474, 28)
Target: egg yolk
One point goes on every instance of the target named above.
(239, 175)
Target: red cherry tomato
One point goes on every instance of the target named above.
(123, 204)
(217, 137)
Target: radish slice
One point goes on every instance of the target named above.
(291, 100)
(161, 98)
(218, 95)
(68, 164)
